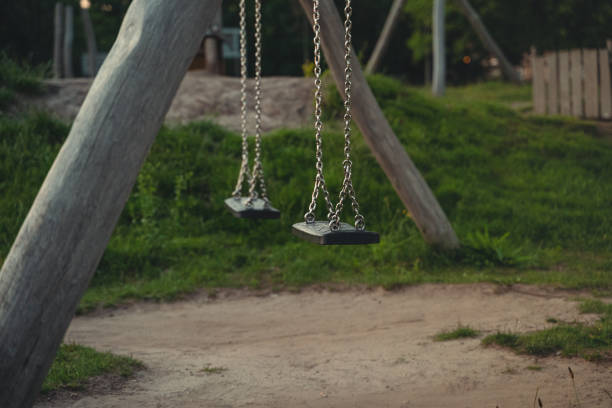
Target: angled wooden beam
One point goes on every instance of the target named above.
(387, 149)
(489, 43)
(70, 223)
(385, 36)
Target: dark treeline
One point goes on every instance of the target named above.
(26, 31)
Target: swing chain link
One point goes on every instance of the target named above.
(333, 214)
(347, 184)
(319, 185)
(257, 174)
(244, 167)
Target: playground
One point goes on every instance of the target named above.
(198, 216)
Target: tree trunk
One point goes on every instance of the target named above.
(68, 40)
(488, 41)
(58, 36)
(92, 49)
(68, 227)
(439, 49)
(388, 151)
(385, 37)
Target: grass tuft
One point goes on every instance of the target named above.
(461, 332)
(595, 306)
(592, 342)
(213, 370)
(75, 364)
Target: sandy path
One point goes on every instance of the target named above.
(346, 349)
(287, 101)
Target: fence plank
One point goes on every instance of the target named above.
(539, 85)
(576, 77)
(564, 83)
(591, 85)
(553, 84)
(605, 87)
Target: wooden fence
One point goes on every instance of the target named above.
(575, 82)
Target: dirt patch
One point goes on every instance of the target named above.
(340, 349)
(287, 101)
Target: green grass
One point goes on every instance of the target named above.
(528, 197)
(15, 77)
(461, 332)
(592, 342)
(209, 370)
(75, 364)
(535, 368)
(491, 91)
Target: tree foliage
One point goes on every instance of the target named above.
(26, 31)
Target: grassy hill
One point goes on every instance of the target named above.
(528, 196)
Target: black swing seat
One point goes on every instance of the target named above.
(258, 210)
(319, 232)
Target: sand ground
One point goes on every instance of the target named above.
(352, 348)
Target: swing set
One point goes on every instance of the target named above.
(257, 205)
(75, 212)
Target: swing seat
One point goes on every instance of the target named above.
(259, 210)
(319, 232)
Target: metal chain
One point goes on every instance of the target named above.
(319, 185)
(347, 184)
(333, 214)
(257, 174)
(244, 167)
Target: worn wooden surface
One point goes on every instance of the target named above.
(383, 40)
(539, 85)
(439, 49)
(605, 88)
(576, 74)
(68, 227)
(68, 41)
(552, 96)
(58, 37)
(466, 8)
(564, 83)
(388, 151)
(591, 84)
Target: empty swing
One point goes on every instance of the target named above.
(333, 231)
(257, 204)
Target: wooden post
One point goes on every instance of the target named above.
(591, 84)
(564, 83)
(58, 37)
(553, 84)
(213, 54)
(576, 74)
(68, 40)
(439, 50)
(68, 227)
(539, 84)
(387, 149)
(92, 49)
(604, 84)
(488, 41)
(383, 41)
